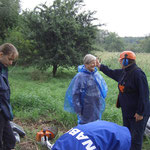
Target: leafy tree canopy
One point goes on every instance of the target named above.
(9, 12)
(109, 41)
(62, 32)
(145, 44)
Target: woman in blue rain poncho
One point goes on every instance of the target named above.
(86, 93)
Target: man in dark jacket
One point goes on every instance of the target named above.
(133, 95)
(8, 53)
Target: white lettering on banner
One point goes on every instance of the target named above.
(80, 136)
(74, 131)
(89, 144)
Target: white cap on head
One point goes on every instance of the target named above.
(88, 58)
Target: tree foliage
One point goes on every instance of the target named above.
(62, 32)
(109, 41)
(9, 12)
(137, 44)
(113, 43)
(145, 44)
(25, 46)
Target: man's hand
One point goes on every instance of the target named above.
(138, 117)
(98, 63)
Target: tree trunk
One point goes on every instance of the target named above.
(54, 70)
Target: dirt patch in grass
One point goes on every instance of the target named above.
(31, 128)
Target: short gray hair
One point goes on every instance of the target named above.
(88, 58)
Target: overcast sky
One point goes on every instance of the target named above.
(124, 17)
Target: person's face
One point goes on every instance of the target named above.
(6, 60)
(91, 65)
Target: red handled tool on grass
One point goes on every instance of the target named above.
(45, 135)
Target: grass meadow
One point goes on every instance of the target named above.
(37, 98)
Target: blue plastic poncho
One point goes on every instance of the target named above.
(85, 95)
(97, 135)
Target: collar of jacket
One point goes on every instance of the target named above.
(130, 67)
(82, 68)
(3, 69)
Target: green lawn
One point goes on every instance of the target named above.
(37, 99)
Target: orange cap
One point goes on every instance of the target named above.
(127, 54)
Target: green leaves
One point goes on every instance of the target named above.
(62, 32)
(9, 12)
(109, 41)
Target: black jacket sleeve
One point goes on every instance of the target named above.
(114, 74)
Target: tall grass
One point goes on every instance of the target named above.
(39, 96)
(32, 98)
